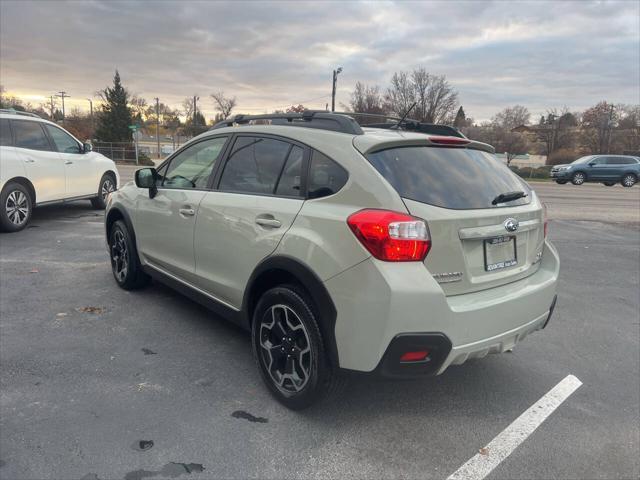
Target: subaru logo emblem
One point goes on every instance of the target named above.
(511, 224)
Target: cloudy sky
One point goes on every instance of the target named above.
(274, 54)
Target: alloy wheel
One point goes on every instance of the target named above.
(578, 178)
(119, 256)
(285, 349)
(107, 187)
(17, 207)
(628, 181)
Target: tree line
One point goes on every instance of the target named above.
(561, 135)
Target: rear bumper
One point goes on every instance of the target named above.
(378, 301)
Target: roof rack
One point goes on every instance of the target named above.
(408, 124)
(337, 122)
(342, 122)
(18, 112)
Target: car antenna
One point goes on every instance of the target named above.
(397, 125)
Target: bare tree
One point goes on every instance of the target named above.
(435, 98)
(138, 106)
(187, 107)
(223, 104)
(511, 144)
(627, 136)
(512, 117)
(366, 99)
(400, 95)
(597, 125)
(296, 108)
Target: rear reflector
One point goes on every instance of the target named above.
(449, 140)
(391, 236)
(415, 356)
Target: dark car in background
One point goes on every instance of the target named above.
(607, 169)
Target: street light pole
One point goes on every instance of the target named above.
(91, 111)
(158, 124)
(333, 91)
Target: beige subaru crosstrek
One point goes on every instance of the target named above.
(341, 248)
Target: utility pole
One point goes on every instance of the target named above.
(91, 112)
(158, 124)
(63, 95)
(609, 128)
(195, 110)
(333, 91)
(52, 105)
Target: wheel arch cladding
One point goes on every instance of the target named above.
(116, 213)
(26, 183)
(279, 270)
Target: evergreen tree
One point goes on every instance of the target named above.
(115, 117)
(461, 118)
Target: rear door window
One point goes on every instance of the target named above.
(620, 161)
(453, 178)
(326, 177)
(62, 140)
(29, 135)
(289, 184)
(5, 133)
(254, 165)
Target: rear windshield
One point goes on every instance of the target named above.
(448, 177)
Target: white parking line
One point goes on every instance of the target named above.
(508, 440)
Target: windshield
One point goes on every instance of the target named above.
(449, 177)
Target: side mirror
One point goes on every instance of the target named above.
(146, 178)
(591, 164)
(87, 147)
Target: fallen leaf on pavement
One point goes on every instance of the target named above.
(484, 451)
(34, 270)
(91, 309)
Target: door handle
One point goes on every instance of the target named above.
(187, 212)
(268, 221)
(29, 160)
(68, 162)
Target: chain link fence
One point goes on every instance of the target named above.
(117, 151)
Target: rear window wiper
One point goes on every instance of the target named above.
(508, 197)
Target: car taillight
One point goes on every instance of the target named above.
(449, 140)
(545, 219)
(391, 236)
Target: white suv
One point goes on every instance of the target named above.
(341, 247)
(42, 163)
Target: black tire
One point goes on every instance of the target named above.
(302, 334)
(629, 180)
(578, 178)
(16, 207)
(105, 187)
(561, 182)
(609, 184)
(125, 264)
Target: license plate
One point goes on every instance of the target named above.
(500, 252)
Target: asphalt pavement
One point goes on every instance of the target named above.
(89, 371)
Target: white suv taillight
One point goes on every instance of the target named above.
(391, 236)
